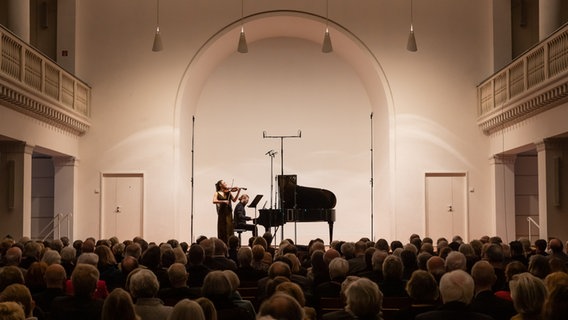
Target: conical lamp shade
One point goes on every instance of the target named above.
(411, 44)
(242, 48)
(326, 47)
(157, 46)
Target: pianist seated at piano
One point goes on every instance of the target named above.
(241, 217)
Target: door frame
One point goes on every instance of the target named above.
(112, 174)
(464, 174)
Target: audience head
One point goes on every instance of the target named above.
(21, 294)
(458, 286)
(528, 293)
(244, 257)
(13, 256)
(68, 254)
(143, 284)
(118, 306)
(556, 305)
(187, 309)
(84, 279)
(292, 289)
(216, 285)
(208, 307)
(177, 274)
(483, 275)
(422, 287)
(456, 261)
(90, 258)
(233, 279)
(382, 244)
(34, 277)
(55, 276)
(330, 254)
(377, 260)
(279, 268)
(10, 310)
(422, 260)
(392, 267)
(554, 280)
(281, 306)
(513, 268)
(338, 268)
(539, 266)
(11, 275)
(196, 254)
(555, 245)
(363, 298)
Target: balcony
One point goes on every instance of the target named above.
(32, 84)
(531, 84)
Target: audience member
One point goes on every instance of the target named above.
(513, 268)
(21, 294)
(143, 287)
(456, 289)
(208, 308)
(281, 306)
(363, 301)
(34, 277)
(485, 301)
(187, 309)
(196, 269)
(80, 305)
(217, 288)
(539, 266)
(338, 271)
(11, 310)
(11, 275)
(436, 266)
(178, 289)
(528, 293)
(296, 292)
(556, 305)
(118, 306)
(423, 291)
(393, 285)
(245, 271)
(55, 278)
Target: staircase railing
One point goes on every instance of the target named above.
(55, 224)
(532, 221)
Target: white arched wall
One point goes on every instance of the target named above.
(304, 31)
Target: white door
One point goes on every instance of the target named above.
(446, 205)
(122, 198)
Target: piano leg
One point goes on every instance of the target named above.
(330, 231)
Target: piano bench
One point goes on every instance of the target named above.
(239, 231)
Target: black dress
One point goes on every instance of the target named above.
(224, 216)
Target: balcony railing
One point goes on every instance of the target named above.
(33, 84)
(532, 83)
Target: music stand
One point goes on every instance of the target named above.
(254, 202)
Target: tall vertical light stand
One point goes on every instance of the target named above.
(372, 182)
(192, 171)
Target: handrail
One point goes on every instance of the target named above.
(59, 218)
(531, 220)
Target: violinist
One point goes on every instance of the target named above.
(223, 199)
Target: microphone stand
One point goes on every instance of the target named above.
(299, 135)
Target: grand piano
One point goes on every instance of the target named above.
(299, 204)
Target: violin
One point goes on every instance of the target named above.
(235, 189)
